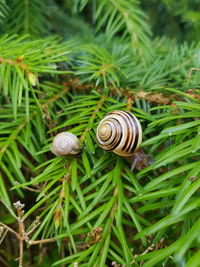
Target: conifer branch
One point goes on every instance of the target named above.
(14, 62)
(92, 205)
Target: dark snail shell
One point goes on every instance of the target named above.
(120, 132)
(65, 143)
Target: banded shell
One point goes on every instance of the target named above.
(120, 132)
(65, 143)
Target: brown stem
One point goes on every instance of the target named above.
(9, 229)
(42, 241)
(28, 188)
(14, 62)
(4, 262)
(21, 230)
(36, 224)
(21, 241)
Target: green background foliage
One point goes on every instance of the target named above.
(63, 66)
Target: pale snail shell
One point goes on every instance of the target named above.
(120, 132)
(65, 143)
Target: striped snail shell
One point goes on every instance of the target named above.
(65, 143)
(120, 132)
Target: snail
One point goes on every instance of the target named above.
(65, 143)
(120, 132)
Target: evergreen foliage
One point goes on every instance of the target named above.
(63, 66)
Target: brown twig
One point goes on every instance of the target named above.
(42, 241)
(28, 188)
(152, 247)
(36, 224)
(2, 234)
(22, 235)
(4, 262)
(21, 230)
(9, 229)
(14, 62)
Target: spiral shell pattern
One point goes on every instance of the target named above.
(65, 143)
(119, 131)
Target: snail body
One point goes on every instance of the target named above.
(65, 143)
(120, 132)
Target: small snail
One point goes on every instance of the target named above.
(65, 143)
(119, 131)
